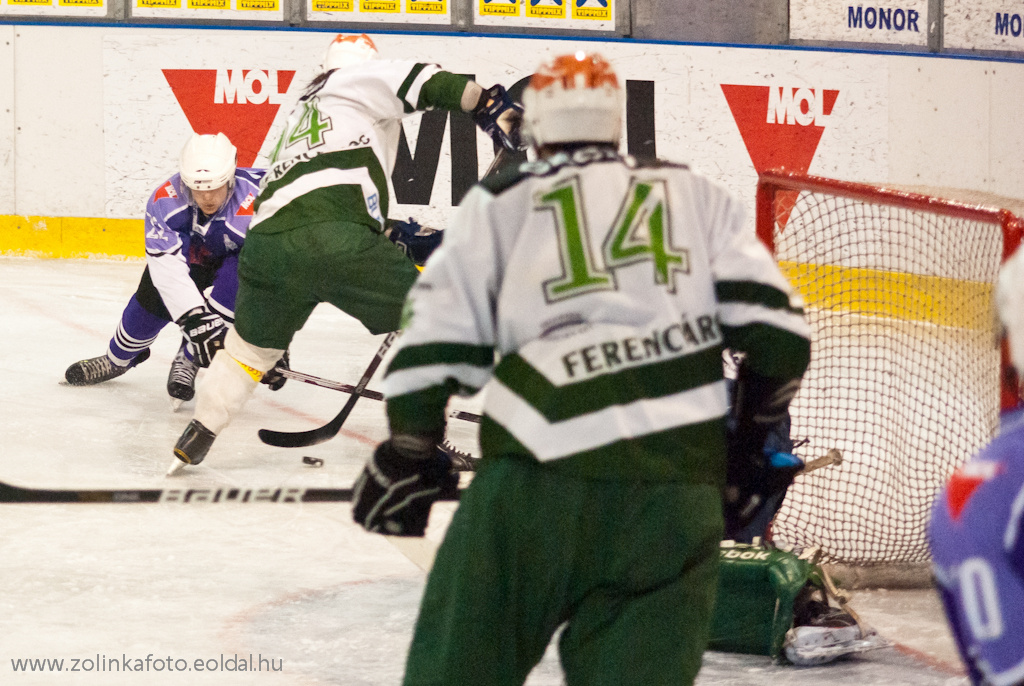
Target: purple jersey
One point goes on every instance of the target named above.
(977, 546)
(178, 235)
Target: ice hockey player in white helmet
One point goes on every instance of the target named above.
(347, 50)
(319, 230)
(208, 164)
(578, 103)
(589, 296)
(195, 226)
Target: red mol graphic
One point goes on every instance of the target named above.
(241, 103)
(780, 126)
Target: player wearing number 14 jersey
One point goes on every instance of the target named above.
(591, 297)
(976, 532)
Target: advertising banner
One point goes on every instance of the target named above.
(902, 23)
(584, 15)
(984, 25)
(186, 10)
(727, 111)
(380, 11)
(54, 8)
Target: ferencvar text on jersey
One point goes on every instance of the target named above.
(678, 338)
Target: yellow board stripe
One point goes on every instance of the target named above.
(56, 237)
(896, 295)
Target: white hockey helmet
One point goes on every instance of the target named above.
(207, 162)
(573, 99)
(347, 49)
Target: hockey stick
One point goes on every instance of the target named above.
(17, 494)
(500, 157)
(302, 439)
(367, 393)
(833, 456)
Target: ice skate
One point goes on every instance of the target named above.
(181, 381)
(829, 633)
(192, 446)
(99, 369)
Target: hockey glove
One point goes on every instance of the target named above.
(205, 332)
(275, 379)
(397, 488)
(499, 116)
(757, 471)
(418, 243)
(755, 487)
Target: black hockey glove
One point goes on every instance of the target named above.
(275, 379)
(418, 243)
(205, 332)
(499, 116)
(756, 483)
(397, 488)
(757, 473)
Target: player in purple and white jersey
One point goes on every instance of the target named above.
(977, 532)
(195, 226)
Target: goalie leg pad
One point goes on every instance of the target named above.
(771, 602)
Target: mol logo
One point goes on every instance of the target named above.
(803, 106)
(241, 103)
(253, 86)
(780, 125)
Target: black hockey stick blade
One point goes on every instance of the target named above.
(182, 496)
(303, 439)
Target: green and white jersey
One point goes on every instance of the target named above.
(338, 148)
(593, 297)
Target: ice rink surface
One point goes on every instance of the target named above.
(299, 590)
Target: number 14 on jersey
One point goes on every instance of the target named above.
(639, 233)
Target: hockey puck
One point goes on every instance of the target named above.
(313, 461)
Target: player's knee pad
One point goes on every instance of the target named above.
(249, 355)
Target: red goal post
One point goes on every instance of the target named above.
(907, 376)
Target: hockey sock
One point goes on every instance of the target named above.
(224, 391)
(232, 377)
(136, 331)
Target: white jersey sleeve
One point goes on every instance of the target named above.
(167, 215)
(449, 324)
(756, 302)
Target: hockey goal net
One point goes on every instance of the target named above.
(906, 372)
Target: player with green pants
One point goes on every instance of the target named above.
(318, 234)
(591, 298)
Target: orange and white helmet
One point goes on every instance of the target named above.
(573, 99)
(347, 49)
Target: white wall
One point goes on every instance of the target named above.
(58, 121)
(96, 124)
(7, 203)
